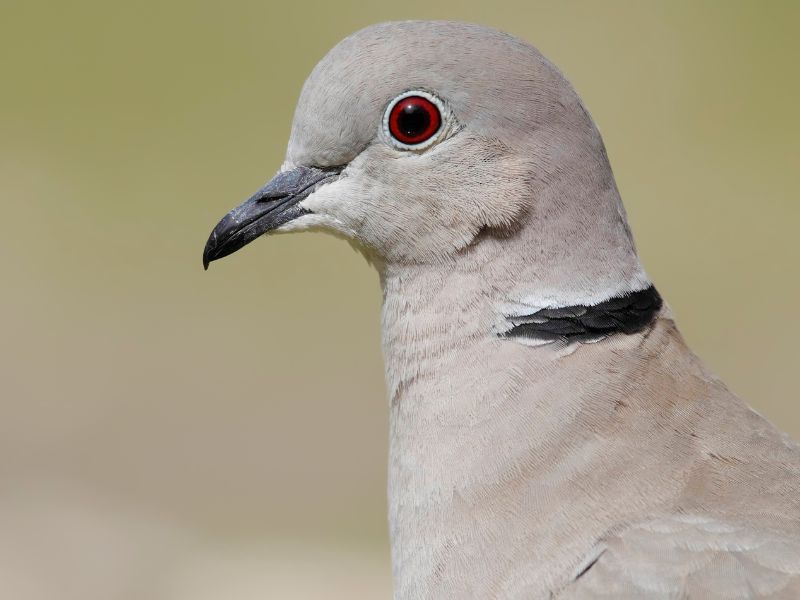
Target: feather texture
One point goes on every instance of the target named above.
(630, 313)
(692, 556)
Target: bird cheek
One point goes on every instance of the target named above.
(336, 207)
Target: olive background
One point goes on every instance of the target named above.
(169, 433)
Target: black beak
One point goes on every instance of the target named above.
(274, 205)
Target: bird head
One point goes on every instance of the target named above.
(417, 140)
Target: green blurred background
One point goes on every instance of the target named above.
(171, 434)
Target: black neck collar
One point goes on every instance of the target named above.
(627, 314)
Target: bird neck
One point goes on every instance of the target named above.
(456, 312)
(481, 425)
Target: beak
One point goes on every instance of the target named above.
(274, 205)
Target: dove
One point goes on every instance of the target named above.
(551, 434)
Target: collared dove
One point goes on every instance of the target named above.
(551, 434)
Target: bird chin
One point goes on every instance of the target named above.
(317, 222)
(331, 226)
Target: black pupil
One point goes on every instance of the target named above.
(413, 120)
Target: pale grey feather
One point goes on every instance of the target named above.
(689, 556)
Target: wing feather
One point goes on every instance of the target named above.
(691, 557)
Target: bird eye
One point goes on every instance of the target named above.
(413, 119)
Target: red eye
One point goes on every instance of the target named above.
(413, 120)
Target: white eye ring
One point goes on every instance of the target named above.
(427, 142)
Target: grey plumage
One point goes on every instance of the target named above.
(521, 468)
